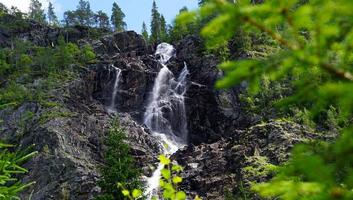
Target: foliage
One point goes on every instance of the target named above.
(50, 67)
(102, 20)
(10, 167)
(155, 24)
(144, 32)
(169, 183)
(315, 40)
(119, 166)
(52, 18)
(117, 18)
(36, 12)
(179, 30)
(84, 13)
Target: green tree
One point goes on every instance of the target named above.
(180, 30)
(102, 20)
(84, 13)
(119, 166)
(144, 31)
(36, 12)
(164, 32)
(155, 24)
(70, 18)
(315, 49)
(117, 18)
(52, 18)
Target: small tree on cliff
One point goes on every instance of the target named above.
(101, 19)
(84, 13)
(155, 24)
(52, 18)
(144, 31)
(117, 18)
(163, 31)
(119, 165)
(36, 12)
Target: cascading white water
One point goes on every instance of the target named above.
(165, 114)
(112, 106)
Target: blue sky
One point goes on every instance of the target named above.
(136, 11)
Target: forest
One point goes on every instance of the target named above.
(234, 99)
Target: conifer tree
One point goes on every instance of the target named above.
(36, 12)
(144, 32)
(117, 18)
(84, 13)
(70, 18)
(155, 24)
(163, 29)
(52, 18)
(101, 19)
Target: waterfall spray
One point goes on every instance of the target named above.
(165, 114)
(112, 106)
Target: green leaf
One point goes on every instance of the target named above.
(180, 195)
(177, 179)
(177, 168)
(165, 173)
(125, 192)
(136, 193)
(164, 160)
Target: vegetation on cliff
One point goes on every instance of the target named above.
(11, 162)
(295, 57)
(119, 165)
(314, 59)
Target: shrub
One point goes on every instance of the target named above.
(119, 165)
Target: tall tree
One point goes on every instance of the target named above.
(101, 19)
(70, 18)
(52, 18)
(155, 24)
(84, 13)
(117, 18)
(163, 29)
(36, 12)
(144, 31)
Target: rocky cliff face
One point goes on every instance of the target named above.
(222, 143)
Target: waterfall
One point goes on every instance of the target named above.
(165, 115)
(112, 106)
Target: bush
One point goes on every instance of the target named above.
(119, 166)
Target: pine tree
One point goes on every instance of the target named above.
(155, 24)
(119, 165)
(70, 18)
(84, 13)
(117, 18)
(102, 20)
(36, 12)
(52, 18)
(144, 32)
(163, 29)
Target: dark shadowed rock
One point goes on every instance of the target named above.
(220, 169)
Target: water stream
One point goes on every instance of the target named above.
(165, 114)
(112, 106)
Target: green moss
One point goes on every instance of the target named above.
(53, 114)
(258, 167)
